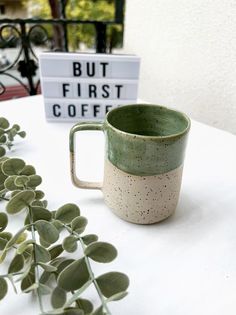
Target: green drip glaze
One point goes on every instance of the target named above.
(146, 139)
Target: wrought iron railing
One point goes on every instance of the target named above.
(23, 30)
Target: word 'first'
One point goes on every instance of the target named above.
(104, 90)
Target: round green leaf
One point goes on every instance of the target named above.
(17, 264)
(117, 296)
(72, 311)
(3, 221)
(85, 305)
(70, 244)
(20, 201)
(3, 243)
(19, 237)
(21, 181)
(67, 212)
(3, 159)
(38, 203)
(47, 231)
(101, 252)
(34, 181)
(58, 297)
(45, 277)
(28, 281)
(22, 134)
(78, 225)
(3, 288)
(2, 151)
(74, 276)
(112, 283)
(28, 251)
(90, 238)
(13, 166)
(41, 254)
(57, 261)
(99, 311)
(4, 123)
(28, 170)
(15, 192)
(29, 267)
(58, 225)
(55, 251)
(44, 203)
(16, 127)
(24, 246)
(10, 137)
(10, 183)
(3, 139)
(38, 213)
(2, 131)
(11, 134)
(3, 177)
(44, 243)
(63, 264)
(4, 238)
(39, 194)
(22, 237)
(6, 235)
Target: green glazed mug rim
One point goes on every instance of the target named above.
(171, 136)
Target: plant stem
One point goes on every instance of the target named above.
(35, 260)
(27, 253)
(104, 304)
(10, 277)
(77, 302)
(3, 198)
(13, 274)
(3, 191)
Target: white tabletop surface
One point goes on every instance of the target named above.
(181, 266)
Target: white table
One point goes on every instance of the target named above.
(184, 265)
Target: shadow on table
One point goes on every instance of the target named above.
(187, 211)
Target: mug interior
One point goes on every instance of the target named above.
(148, 120)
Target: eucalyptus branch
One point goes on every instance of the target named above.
(40, 262)
(35, 259)
(104, 304)
(7, 135)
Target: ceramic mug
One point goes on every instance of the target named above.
(145, 148)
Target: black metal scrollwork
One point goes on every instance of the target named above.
(26, 60)
(14, 37)
(27, 33)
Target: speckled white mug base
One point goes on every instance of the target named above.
(141, 199)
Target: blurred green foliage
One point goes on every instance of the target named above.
(98, 10)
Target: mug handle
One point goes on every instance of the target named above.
(79, 127)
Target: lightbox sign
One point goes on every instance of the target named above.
(80, 86)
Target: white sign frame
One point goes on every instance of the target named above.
(85, 86)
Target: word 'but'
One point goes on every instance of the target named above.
(89, 69)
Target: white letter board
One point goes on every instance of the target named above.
(82, 86)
